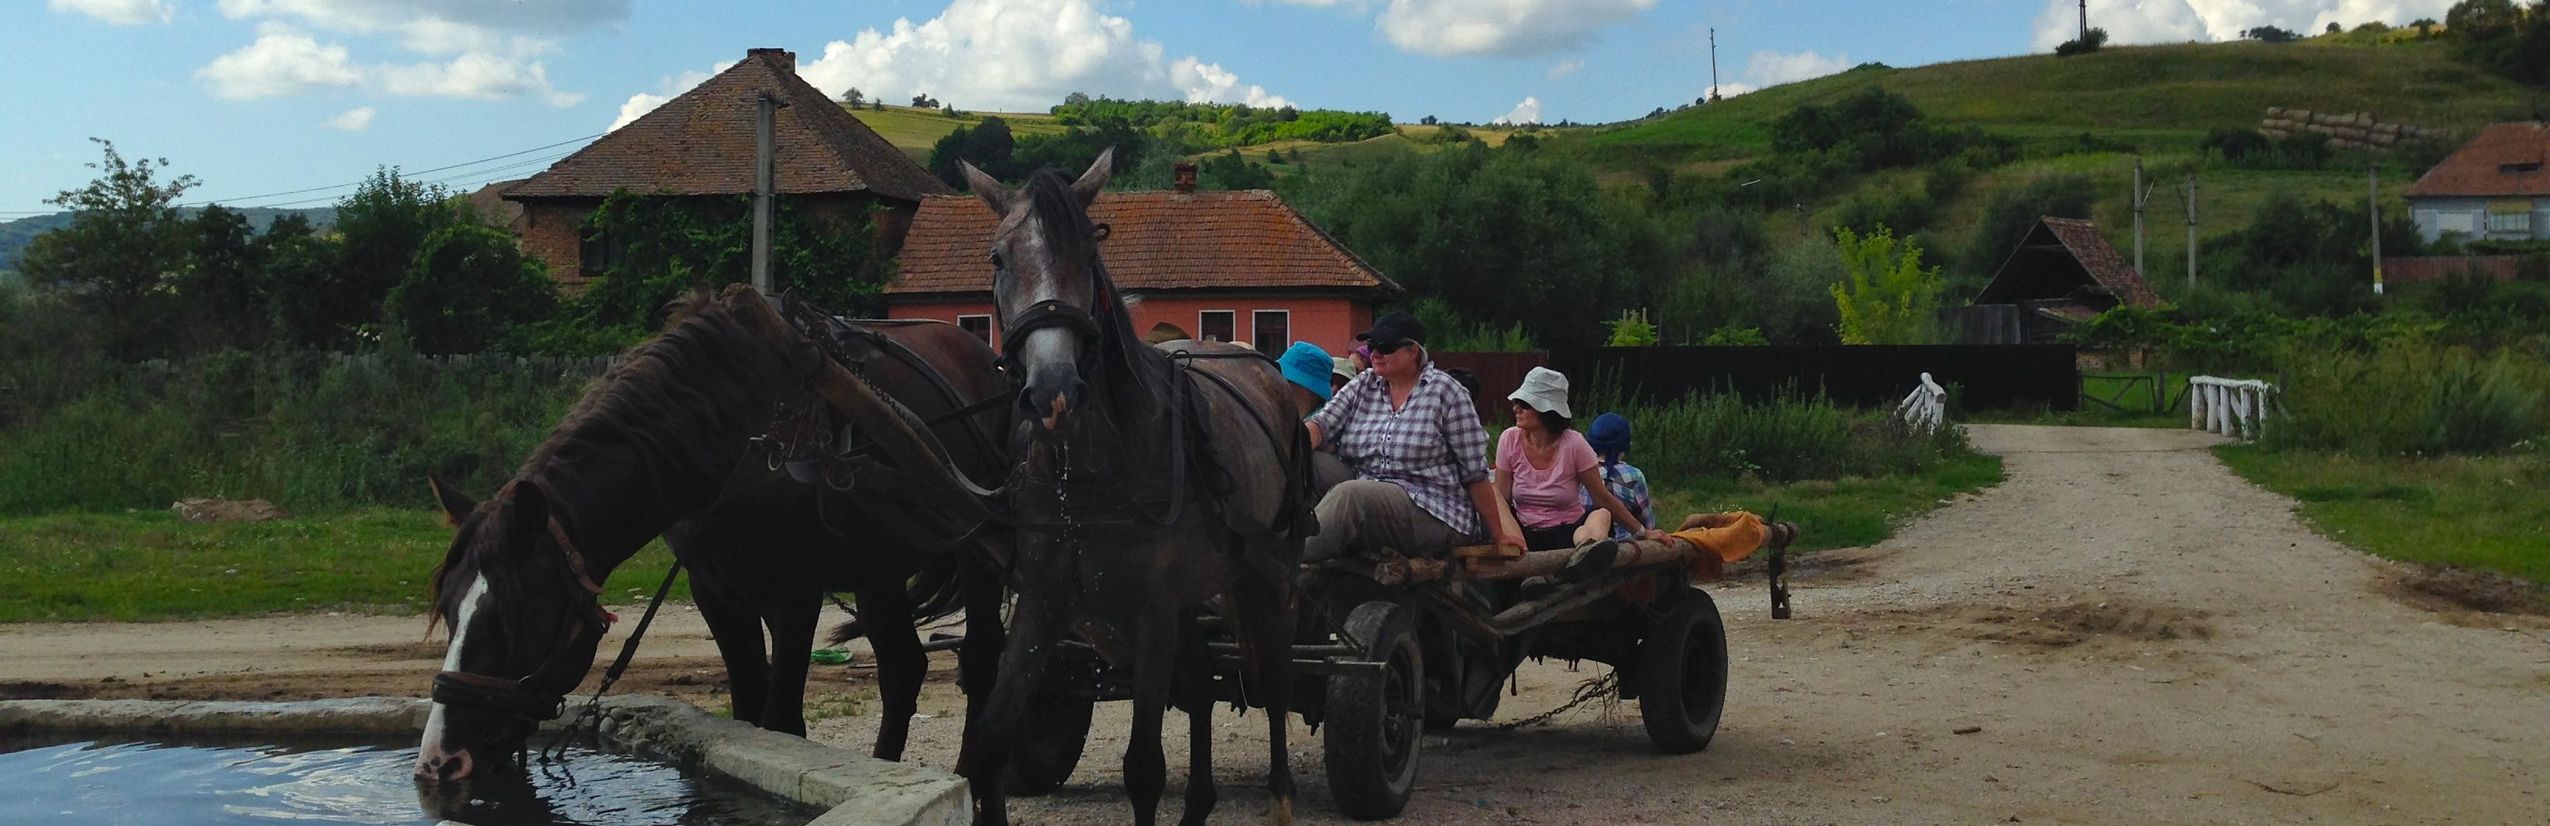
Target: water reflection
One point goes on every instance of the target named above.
(193, 781)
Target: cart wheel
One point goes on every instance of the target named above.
(1682, 674)
(1371, 734)
(1056, 729)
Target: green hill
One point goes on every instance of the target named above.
(2165, 95)
(915, 130)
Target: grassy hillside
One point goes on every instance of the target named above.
(915, 130)
(2164, 95)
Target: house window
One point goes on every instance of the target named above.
(1216, 325)
(2518, 168)
(1273, 331)
(979, 325)
(2517, 224)
(598, 253)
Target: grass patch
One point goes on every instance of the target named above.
(150, 565)
(915, 130)
(2489, 513)
(1838, 513)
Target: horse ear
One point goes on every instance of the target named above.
(986, 187)
(456, 505)
(1095, 180)
(530, 504)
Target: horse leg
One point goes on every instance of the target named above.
(737, 630)
(1035, 631)
(1195, 697)
(1264, 622)
(885, 614)
(792, 644)
(978, 661)
(1155, 660)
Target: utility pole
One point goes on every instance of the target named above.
(2191, 229)
(2085, 21)
(1713, 64)
(2373, 204)
(762, 193)
(2140, 195)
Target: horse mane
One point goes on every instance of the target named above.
(659, 399)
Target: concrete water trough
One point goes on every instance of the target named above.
(848, 787)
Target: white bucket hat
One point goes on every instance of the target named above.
(1545, 390)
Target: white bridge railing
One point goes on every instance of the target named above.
(1926, 407)
(2232, 407)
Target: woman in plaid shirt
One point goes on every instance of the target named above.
(1413, 439)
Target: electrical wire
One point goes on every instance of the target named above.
(242, 201)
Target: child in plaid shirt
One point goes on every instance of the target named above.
(1609, 436)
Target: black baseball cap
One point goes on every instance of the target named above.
(1393, 331)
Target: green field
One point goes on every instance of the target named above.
(150, 565)
(915, 130)
(2490, 512)
(1836, 513)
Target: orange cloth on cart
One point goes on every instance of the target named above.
(1732, 536)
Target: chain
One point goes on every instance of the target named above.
(1604, 687)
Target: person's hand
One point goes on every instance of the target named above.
(1511, 541)
(1652, 533)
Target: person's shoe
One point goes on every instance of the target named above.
(1590, 560)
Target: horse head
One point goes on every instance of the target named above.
(1052, 294)
(525, 617)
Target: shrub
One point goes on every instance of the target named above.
(2408, 398)
(1793, 436)
(2090, 42)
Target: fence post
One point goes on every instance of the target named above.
(1926, 407)
(2231, 407)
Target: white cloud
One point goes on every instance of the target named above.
(1732, 89)
(1510, 28)
(119, 12)
(1565, 68)
(1015, 55)
(1529, 111)
(1775, 68)
(356, 119)
(2174, 21)
(643, 102)
(281, 62)
(480, 48)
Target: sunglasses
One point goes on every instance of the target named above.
(1382, 350)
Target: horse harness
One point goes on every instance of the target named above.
(523, 697)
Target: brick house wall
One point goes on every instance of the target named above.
(1329, 321)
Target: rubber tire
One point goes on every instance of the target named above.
(1371, 743)
(1056, 731)
(1682, 674)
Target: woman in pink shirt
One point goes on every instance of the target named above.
(1543, 467)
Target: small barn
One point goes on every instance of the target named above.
(1239, 266)
(2063, 273)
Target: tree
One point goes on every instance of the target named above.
(987, 145)
(2270, 34)
(469, 287)
(854, 97)
(1428, 120)
(1890, 298)
(1076, 99)
(2090, 42)
(924, 101)
(124, 243)
(382, 225)
(1230, 171)
(2478, 20)
(2334, 28)
(221, 291)
(301, 265)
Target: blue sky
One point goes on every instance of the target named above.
(259, 97)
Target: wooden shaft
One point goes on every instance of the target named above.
(1635, 553)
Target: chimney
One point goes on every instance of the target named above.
(1184, 175)
(784, 59)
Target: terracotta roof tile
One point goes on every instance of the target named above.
(2505, 159)
(2102, 262)
(702, 143)
(1156, 241)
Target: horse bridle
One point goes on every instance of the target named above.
(523, 698)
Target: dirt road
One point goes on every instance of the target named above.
(2124, 632)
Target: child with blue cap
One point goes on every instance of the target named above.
(1609, 436)
(1307, 367)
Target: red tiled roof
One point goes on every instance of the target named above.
(702, 143)
(1156, 241)
(2480, 168)
(2102, 262)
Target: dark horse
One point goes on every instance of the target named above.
(663, 445)
(1151, 484)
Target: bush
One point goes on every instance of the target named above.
(2409, 398)
(2090, 42)
(1719, 436)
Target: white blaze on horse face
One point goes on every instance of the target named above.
(469, 602)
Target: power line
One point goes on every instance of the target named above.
(238, 200)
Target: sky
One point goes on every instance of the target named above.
(290, 103)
